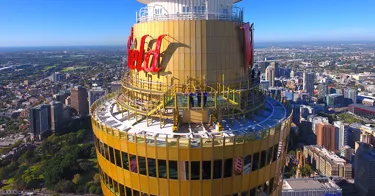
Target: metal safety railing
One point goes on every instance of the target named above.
(190, 16)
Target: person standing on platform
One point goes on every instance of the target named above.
(191, 94)
(205, 96)
(199, 96)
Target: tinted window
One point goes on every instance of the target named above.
(206, 170)
(151, 167)
(162, 164)
(118, 158)
(195, 170)
(142, 165)
(125, 160)
(218, 168)
(228, 166)
(255, 161)
(133, 164)
(263, 158)
(111, 155)
(173, 170)
(247, 164)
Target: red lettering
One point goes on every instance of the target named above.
(141, 53)
(137, 58)
(249, 44)
(155, 57)
(133, 59)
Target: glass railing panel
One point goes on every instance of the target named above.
(172, 142)
(184, 142)
(207, 142)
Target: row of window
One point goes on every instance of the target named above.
(188, 170)
(118, 188)
(122, 190)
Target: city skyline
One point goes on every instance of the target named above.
(71, 23)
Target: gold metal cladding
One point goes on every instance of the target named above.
(116, 178)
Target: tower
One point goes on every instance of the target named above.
(56, 115)
(270, 75)
(189, 118)
(308, 83)
(40, 120)
(79, 101)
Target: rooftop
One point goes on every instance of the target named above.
(329, 156)
(109, 114)
(364, 107)
(309, 184)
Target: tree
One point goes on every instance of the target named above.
(96, 179)
(77, 179)
(92, 189)
(306, 170)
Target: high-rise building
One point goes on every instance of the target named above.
(95, 94)
(325, 135)
(341, 138)
(189, 124)
(351, 94)
(335, 100)
(115, 86)
(308, 83)
(323, 90)
(78, 98)
(270, 75)
(365, 170)
(327, 163)
(40, 120)
(56, 115)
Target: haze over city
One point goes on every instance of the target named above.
(99, 22)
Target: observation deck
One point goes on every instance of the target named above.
(163, 10)
(108, 113)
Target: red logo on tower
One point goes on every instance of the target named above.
(140, 59)
(249, 44)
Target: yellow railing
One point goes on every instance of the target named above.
(282, 128)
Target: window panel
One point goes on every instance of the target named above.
(122, 190)
(111, 155)
(106, 153)
(142, 165)
(115, 185)
(110, 183)
(206, 170)
(133, 164)
(247, 164)
(195, 170)
(151, 167)
(173, 170)
(255, 162)
(269, 155)
(118, 158)
(263, 157)
(228, 167)
(162, 168)
(125, 160)
(187, 170)
(218, 168)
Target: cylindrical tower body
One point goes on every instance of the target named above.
(191, 117)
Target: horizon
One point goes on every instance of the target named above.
(78, 23)
(256, 44)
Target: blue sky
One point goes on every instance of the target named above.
(107, 22)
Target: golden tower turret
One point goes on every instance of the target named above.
(191, 118)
